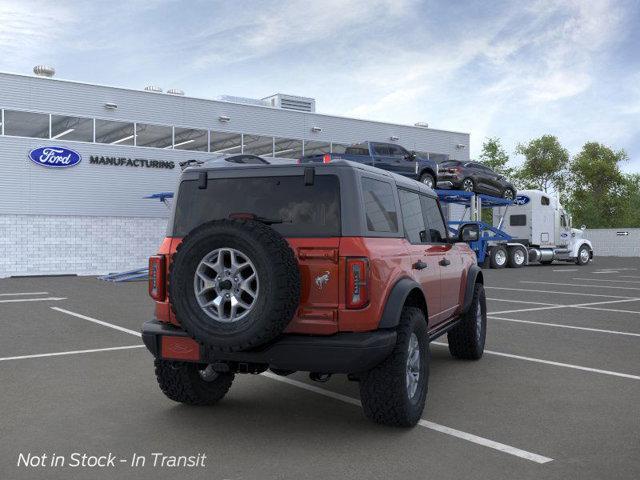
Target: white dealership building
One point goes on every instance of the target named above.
(77, 160)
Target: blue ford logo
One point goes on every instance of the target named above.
(521, 200)
(56, 157)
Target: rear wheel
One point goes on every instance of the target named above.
(428, 180)
(508, 194)
(517, 257)
(466, 340)
(498, 257)
(394, 392)
(468, 185)
(192, 383)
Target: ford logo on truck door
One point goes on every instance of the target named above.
(56, 157)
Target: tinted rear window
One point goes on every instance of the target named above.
(305, 211)
(450, 163)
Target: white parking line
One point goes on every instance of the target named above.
(607, 309)
(577, 305)
(99, 322)
(46, 299)
(603, 280)
(520, 301)
(423, 423)
(556, 364)
(578, 285)
(557, 293)
(23, 293)
(559, 325)
(628, 276)
(72, 352)
(566, 269)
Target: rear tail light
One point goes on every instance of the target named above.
(157, 277)
(326, 158)
(357, 282)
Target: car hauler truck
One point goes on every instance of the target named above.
(538, 221)
(534, 228)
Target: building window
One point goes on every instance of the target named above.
(224, 142)
(114, 133)
(157, 136)
(380, 206)
(71, 128)
(312, 147)
(191, 139)
(287, 148)
(257, 145)
(26, 124)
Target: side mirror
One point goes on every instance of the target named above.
(469, 232)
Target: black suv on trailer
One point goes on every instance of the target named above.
(474, 177)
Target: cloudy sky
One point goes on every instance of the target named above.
(515, 69)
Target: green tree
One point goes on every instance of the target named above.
(495, 157)
(631, 201)
(599, 192)
(545, 164)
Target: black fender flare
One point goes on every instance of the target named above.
(396, 300)
(473, 276)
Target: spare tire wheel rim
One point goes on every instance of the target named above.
(413, 365)
(226, 285)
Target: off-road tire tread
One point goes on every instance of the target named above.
(383, 390)
(285, 266)
(180, 382)
(462, 339)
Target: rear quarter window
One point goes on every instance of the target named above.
(380, 206)
(298, 210)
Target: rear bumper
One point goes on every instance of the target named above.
(339, 353)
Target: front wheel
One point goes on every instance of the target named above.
(192, 383)
(394, 392)
(583, 255)
(428, 180)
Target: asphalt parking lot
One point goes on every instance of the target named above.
(555, 396)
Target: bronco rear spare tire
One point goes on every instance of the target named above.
(234, 284)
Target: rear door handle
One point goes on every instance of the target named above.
(445, 262)
(420, 265)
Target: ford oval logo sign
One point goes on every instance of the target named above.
(56, 157)
(521, 200)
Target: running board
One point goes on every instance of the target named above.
(442, 329)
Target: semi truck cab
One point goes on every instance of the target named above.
(538, 221)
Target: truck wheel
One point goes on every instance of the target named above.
(428, 180)
(190, 383)
(234, 284)
(583, 255)
(498, 257)
(468, 185)
(394, 392)
(517, 257)
(466, 340)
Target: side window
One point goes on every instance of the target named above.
(412, 217)
(517, 220)
(379, 206)
(396, 151)
(433, 220)
(563, 221)
(544, 200)
(381, 149)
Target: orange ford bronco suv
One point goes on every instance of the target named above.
(331, 268)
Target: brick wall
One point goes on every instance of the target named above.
(51, 245)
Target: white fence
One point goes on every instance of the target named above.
(614, 242)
